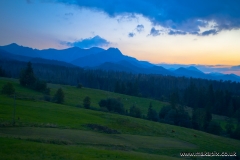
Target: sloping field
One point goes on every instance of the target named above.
(45, 130)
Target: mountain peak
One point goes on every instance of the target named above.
(192, 68)
(114, 51)
(13, 44)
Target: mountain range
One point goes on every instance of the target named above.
(98, 58)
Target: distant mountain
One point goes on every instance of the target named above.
(216, 74)
(111, 55)
(4, 55)
(160, 70)
(110, 59)
(195, 73)
(110, 66)
(192, 72)
(20, 50)
(129, 67)
(192, 68)
(227, 77)
(66, 55)
(53, 62)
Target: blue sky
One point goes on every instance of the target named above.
(173, 31)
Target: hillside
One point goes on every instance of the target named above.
(45, 130)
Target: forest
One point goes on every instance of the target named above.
(215, 97)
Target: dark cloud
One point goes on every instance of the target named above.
(171, 32)
(194, 33)
(126, 17)
(96, 41)
(209, 32)
(140, 28)
(154, 32)
(131, 34)
(186, 16)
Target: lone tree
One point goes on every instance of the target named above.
(27, 77)
(59, 96)
(87, 102)
(152, 114)
(135, 112)
(8, 89)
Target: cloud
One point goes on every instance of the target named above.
(172, 32)
(236, 67)
(140, 28)
(131, 34)
(209, 32)
(186, 16)
(154, 32)
(96, 41)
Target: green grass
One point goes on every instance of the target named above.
(74, 96)
(40, 151)
(47, 130)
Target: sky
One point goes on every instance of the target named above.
(198, 32)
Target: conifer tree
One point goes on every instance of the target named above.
(27, 77)
(59, 96)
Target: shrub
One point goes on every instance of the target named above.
(40, 86)
(87, 102)
(229, 127)
(112, 104)
(214, 128)
(8, 89)
(164, 111)
(135, 112)
(102, 103)
(236, 133)
(171, 116)
(47, 98)
(79, 85)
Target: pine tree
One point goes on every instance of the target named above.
(59, 96)
(152, 114)
(27, 77)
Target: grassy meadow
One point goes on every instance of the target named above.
(46, 130)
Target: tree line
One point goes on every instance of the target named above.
(220, 97)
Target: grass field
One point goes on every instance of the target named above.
(45, 130)
(74, 96)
